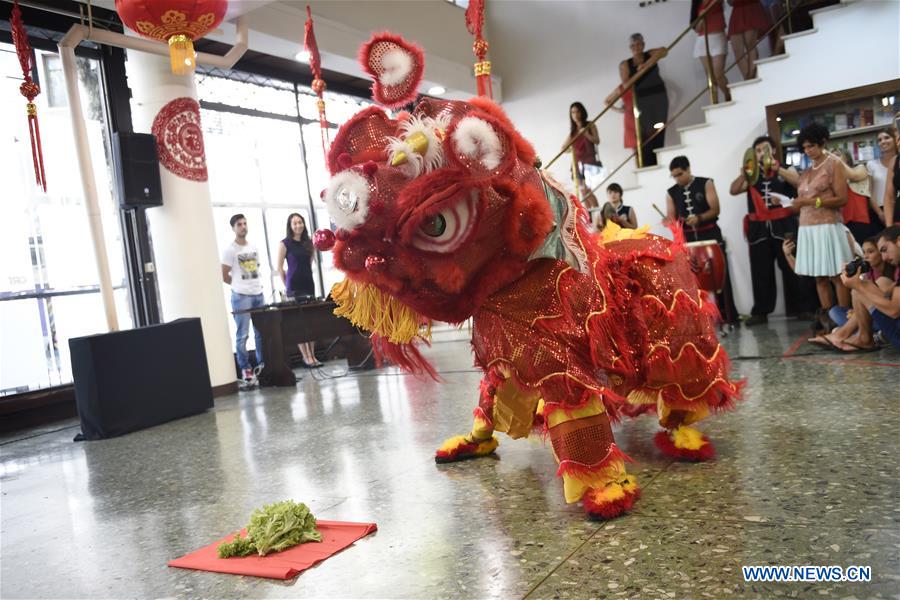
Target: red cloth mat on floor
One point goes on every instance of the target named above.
(336, 535)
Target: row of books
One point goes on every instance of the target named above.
(862, 151)
(841, 121)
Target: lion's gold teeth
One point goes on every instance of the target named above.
(367, 307)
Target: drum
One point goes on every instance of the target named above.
(708, 264)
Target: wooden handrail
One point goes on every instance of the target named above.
(634, 79)
(690, 102)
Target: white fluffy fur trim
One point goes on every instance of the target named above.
(356, 185)
(434, 155)
(414, 162)
(397, 64)
(476, 139)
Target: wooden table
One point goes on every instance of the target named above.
(284, 325)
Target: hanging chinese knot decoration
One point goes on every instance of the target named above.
(176, 22)
(475, 23)
(318, 84)
(30, 90)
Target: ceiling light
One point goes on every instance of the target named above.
(302, 56)
(437, 90)
(659, 125)
(795, 132)
(778, 119)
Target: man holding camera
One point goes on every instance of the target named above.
(876, 304)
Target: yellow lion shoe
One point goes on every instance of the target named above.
(463, 447)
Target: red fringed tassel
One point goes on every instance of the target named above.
(37, 153)
(405, 356)
(475, 23)
(665, 444)
(30, 90)
(318, 84)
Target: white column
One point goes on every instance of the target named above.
(184, 239)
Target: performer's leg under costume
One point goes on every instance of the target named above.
(685, 370)
(592, 468)
(480, 441)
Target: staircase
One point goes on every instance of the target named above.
(853, 43)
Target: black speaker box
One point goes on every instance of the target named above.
(130, 380)
(136, 169)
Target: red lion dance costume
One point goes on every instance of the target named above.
(441, 214)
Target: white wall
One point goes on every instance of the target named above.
(277, 28)
(551, 54)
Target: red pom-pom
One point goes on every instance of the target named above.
(342, 234)
(323, 240)
(345, 161)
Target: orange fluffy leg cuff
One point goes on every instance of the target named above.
(685, 443)
(612, 500)
(463, 447)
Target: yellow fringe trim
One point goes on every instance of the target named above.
(642, 396)
(613, 232)
(373, 310)
(687, 438)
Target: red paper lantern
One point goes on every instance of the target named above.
(176, 22)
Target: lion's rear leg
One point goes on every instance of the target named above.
(678, 439)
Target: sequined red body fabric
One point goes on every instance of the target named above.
(635, 321)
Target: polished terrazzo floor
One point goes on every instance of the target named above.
(807, 474)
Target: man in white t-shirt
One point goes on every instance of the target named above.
(240, 270)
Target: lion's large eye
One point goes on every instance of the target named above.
(435, 226)
(446, 231)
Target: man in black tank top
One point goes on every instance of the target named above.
(693, 200)
(766, 226)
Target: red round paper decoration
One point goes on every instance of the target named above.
(179, 139)
(161, 19)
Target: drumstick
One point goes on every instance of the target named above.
(656, 208)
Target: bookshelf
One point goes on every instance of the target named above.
(853, 116)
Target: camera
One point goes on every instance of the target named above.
(857, 263)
